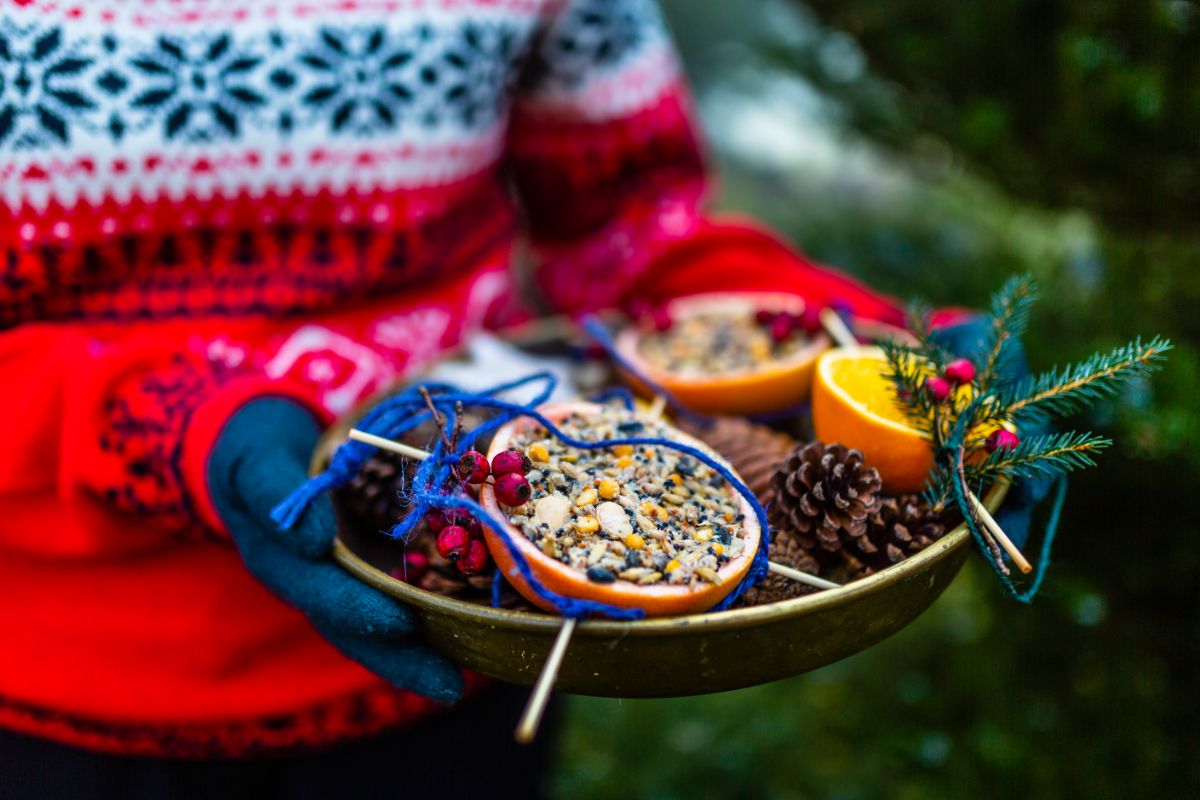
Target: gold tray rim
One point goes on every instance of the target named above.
(908, 569)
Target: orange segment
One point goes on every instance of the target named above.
(853, 404)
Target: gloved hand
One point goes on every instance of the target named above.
(259, 458)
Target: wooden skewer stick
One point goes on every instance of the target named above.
(388, 444)
(531, 717)
(999, 535)
(837, 328)
(657, 406)
(802, 577)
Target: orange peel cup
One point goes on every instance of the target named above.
(656, 600)
(776, 385)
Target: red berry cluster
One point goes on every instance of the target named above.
(959, 373)
(782, 324)
(459, 535)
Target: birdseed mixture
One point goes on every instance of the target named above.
(717, 342)
(647, 515)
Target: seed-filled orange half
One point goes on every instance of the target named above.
(727, 353)
(632, 526)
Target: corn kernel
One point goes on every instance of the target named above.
(672, 565)
(548, 546)
(538, 453)
(586, 497)
(648, 452)
(704, 534)
(609, 488)
(623, 449)
(675, 477)
(587, 524)
(661, 513)
(717, 548)
(634, 542)
(570, 458)
(647, 508)
(625, 461)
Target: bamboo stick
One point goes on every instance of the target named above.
(999, 535)
(801, 577)
(531, 717)
(837, 328)
(388, 444)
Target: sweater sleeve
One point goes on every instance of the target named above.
(606, 161)
(609, 169)
(142, 425)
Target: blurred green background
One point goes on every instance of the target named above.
(932, 148)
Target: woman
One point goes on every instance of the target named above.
(224, 223)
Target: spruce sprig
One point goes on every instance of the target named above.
(962, 423)
(1062, 392)
(1042, 456)
(1010, 317)
(907, 370)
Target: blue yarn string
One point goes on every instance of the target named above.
(429, 485)
(1026, 595)
(595, 328)
(497, 587)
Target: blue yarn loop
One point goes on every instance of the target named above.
(597, 330)
(1026, 595)
(432, 485)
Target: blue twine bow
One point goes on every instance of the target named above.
(392, 418)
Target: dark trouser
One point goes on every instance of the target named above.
(467, 752)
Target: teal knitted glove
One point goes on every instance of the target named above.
(259, 458)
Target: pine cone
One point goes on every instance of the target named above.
(786, 550)
(902, 526)
(755, 451)
(373, 498)
(825, 496)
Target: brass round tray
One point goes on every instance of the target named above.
(675, 656)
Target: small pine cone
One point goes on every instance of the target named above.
(902, 526)
(786, 550)
(373, 497)
(825, 496)
(755, 451)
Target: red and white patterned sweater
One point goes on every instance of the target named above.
(205, 201)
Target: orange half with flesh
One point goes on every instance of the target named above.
(775, 385)
(853, 403)
(656, 600)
